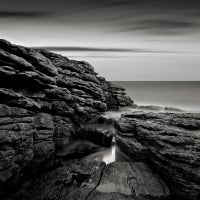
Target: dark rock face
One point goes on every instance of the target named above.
(97, 135)
(27, 141)
(128, 180)
(92, 180)
(74, 180)
(77, 149)
(44, 97)
(115, 95)
(168, 142)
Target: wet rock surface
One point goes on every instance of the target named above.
(169, 143)
(128, 180)
(85, 179)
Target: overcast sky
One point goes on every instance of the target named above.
(157, 36)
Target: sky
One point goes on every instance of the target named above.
(123, 39)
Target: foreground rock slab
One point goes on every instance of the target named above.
(74, 180)
(84, 179)
(128, 180)
(168, 142)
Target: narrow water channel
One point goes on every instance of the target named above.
(109, 155)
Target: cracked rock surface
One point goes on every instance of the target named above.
(130, 180)
(169, 143)
(92, 180)
(74, 180)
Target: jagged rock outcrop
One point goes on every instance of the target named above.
(115, 95)
(170, 143)
(44, 97)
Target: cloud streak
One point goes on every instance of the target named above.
(101, 50)
(85, 49)
(161, 26)
(167, 24)
(13, 14)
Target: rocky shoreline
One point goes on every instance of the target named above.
(52, 107)
(44, 99)
(169, 143)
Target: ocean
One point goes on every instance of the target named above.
(156, 68)
(184, 95)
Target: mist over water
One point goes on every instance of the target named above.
(141, 66)
(179, 94)
(159, 79)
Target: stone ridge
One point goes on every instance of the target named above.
(43, 99)
(168, 142)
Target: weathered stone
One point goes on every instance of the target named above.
(98, 135)
(114, 95)
(43, 99)
(126, 180)
(14, 61)
(170, 143)
(64, 129)
(40, 62)
(75, 180)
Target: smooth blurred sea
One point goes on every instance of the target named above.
(178, 94)
(155, 68)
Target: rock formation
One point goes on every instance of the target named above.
(169, 143)
(129, 180)
(93, 180)
(47, 101)
(115, 95)
(74, 180)
(44, 97)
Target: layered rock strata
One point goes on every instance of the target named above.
(44, 97)
(169, 143)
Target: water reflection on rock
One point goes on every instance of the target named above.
(109, 155)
